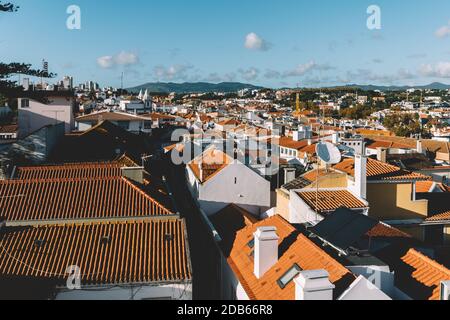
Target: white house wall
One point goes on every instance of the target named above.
(135, 292)
(252, 192)
(300, 212)
(39, 115)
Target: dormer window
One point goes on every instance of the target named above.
(289, 276)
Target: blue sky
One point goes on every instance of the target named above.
(272, 43)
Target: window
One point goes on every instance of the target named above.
(289, 276)
(235, 180)
(251, 244)
(25, 103)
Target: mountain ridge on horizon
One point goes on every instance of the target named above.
(229, 87)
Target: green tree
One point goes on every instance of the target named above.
(8, 87)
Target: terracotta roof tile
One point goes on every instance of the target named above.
(444, 216)
(301, 251)
(106, 253)
(287, 142)
(113, 197)
(69, 171)
(207, 165)
(382, 230)
(427, 272)
(331, 200)
(377, 170)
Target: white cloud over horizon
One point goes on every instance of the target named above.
(256, 43)
(443, 31)
(121, 59)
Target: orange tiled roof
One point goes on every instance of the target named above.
(290, 143)
(388, 144)
(109, 116)
(311, 175)
(427, 272)
(382, 230)
(377, 170)
(331, 200)
(229, 122)
(51, 199)
(302, 251)
(106, 253)
(212, 161)
(68, 171)
(439, 217)
(425, 186)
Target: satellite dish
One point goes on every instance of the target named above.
(328, 153)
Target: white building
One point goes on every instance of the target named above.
(33, 115)
(216, 180)
(130, 122)
(140, 105)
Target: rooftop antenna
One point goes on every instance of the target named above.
(297, 102)
(121, 83)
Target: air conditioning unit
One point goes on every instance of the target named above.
(445, 290)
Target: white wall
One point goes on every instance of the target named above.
(135, 292)
(39, 115)
(251, 191)
(380, 276)
(300, 212)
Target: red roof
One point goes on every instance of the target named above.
(51, 199)
(106, 253)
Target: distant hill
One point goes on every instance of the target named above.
(195, 87)
(432, 86)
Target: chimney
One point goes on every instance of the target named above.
(289, 175)
(335, 138)
(313, 285)
(419, 146)
(266, 250)
(382, 154)
(361, 176)
(135, 174)
(445, 291)
(298, 135)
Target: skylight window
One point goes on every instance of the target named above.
(251, 244)
(289, 276)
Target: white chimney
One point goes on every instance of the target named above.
(445, 291)
(289, 175)
(419, 146)
(266, 250)
(313, 285)
(298, 135)
(335, 138)
(361, 176)
(382, 154)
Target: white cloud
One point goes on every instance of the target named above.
(106, 62)
(126, 58)
(305, 68)
(439, 70)
(122, 59)
(254, 42)
(443, 31)
(249, 74)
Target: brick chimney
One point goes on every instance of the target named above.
(266, 250)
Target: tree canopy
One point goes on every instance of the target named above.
(8, 87)
(8, 7)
